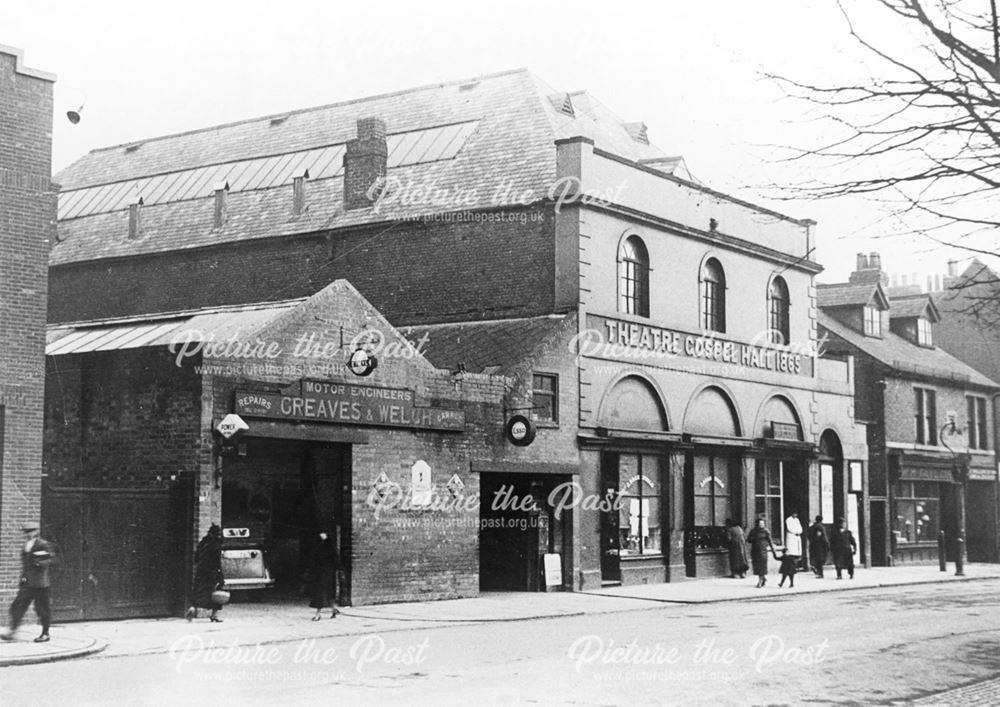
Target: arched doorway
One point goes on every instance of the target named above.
(713, 481)
(634, 472)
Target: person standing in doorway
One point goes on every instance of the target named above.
(843, 546)
(323, 575)
(36, 557)
(760, 544)
(819, 546)
(793, 535)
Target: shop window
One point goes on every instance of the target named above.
(768, 499)
(713, 296)
(924, 336)
(925, 407)
(545, 397)
(639, 511)
(714, 500)
(777, 308)
(873, 321)
(633, 277)
(978, 437)
(917, 519)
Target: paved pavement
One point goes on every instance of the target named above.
(278, 622)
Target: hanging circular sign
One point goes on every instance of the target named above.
(520, 431)
(361, 363)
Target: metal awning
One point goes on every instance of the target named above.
(209, 325)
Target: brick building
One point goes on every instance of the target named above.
(908, 390)
(564, 276)
(27, 222)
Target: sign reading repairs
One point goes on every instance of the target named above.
(616, 339)
(348, 404)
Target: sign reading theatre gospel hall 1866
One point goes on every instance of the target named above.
(348, 404)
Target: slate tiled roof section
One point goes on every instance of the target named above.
(482, 346)
(415, 147)
(508, 123)
(898, 353)
(842, 295)
(914, 306)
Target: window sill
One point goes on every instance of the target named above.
(636, 558)
(546, 424)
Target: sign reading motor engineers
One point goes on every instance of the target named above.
(348, 404)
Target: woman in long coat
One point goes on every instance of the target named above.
(207, 574)
(323, 576)
(760, 543)
(737, 549)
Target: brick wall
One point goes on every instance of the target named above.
(27, 218)
(120, 419)
(411, 272)
(403, 554)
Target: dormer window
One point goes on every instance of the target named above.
(924, 337)
(873, 321)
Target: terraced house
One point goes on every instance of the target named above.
(930, 418)
(607, 358)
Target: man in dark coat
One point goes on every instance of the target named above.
(36, 557)
(843, 546)
(819, 546)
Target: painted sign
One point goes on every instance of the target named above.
(348, 404)
(231, 425)
(420, 481)
(619, 340)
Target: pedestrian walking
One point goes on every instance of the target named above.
(760, 543)
(787, 569)
(36, 557)
(843, 547)
(208, 576)
(737, 542)
(323, 575)
(819, 546)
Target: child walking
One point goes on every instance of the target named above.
(787, 568)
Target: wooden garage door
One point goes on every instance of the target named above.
(123, 551)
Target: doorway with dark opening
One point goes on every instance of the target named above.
(276, 497)
(517, 528)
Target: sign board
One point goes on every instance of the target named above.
(785, 430)
(618, 340)
(553, 569)
(236, 532)
(348, 404)
(422, 488)
(231, 425)
(520, 430)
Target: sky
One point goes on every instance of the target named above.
(693, 72)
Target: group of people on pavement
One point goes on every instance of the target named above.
(841, 545)
(208, 589)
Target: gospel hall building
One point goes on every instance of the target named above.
(610, 358)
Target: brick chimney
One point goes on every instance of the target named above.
(364, 162)
(869, 269)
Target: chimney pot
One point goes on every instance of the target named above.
(952, 268)
(862, 262)
(874, 261)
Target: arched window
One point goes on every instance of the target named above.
(713, 296)
(633, 277)
(777, 311)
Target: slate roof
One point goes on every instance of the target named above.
(898, 353)
(913, 306)
(845, 294)
(498, 128)
(483, 346)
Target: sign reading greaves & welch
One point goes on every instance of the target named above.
(348, 404)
